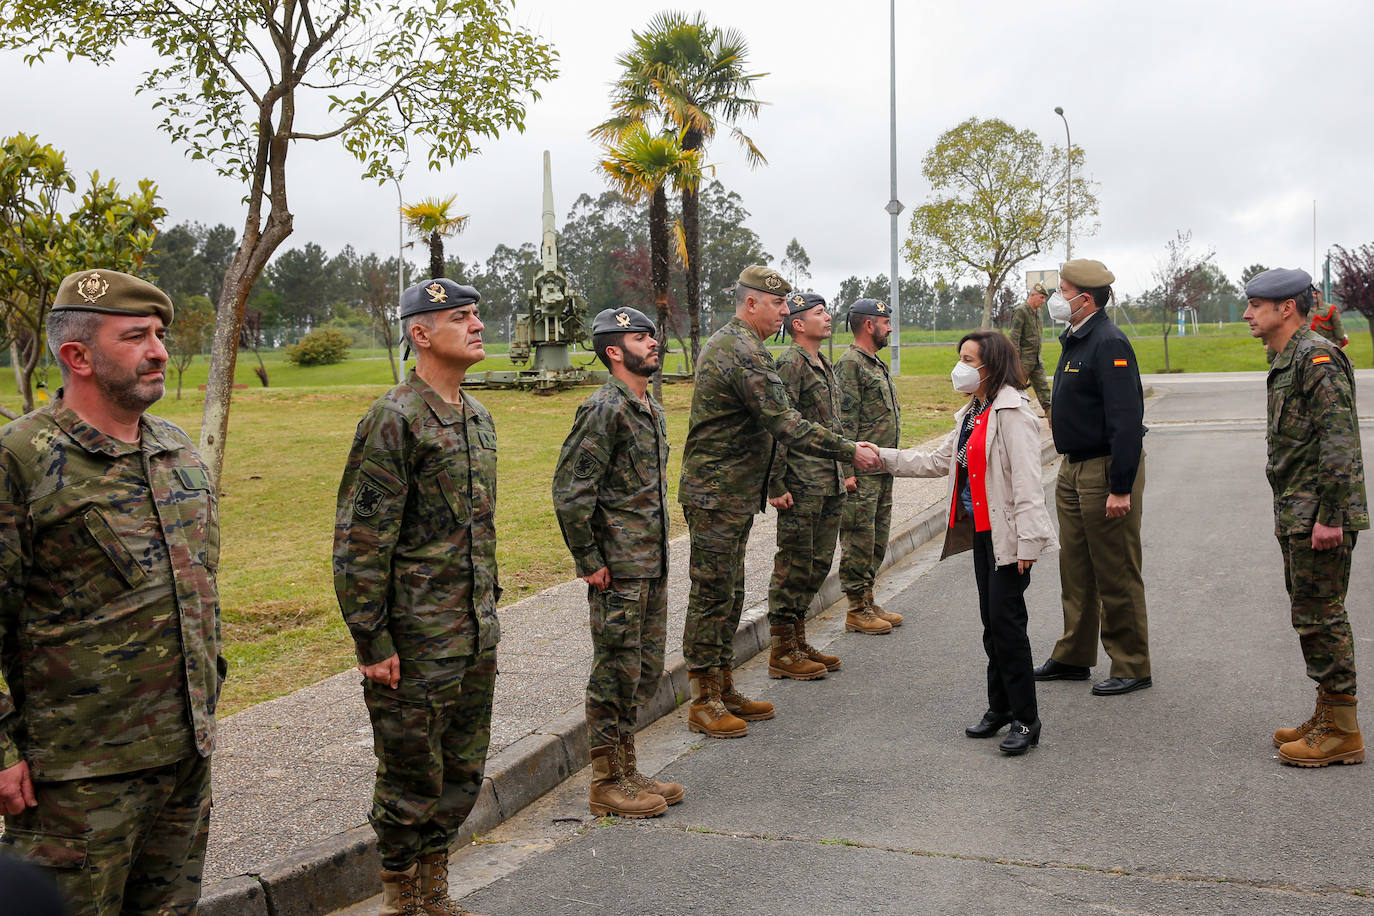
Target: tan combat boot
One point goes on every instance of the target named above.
(861, 619)
(434, 898)
(786, 658)
(401, 893)
(890, 616)
(612, 793)
(707, 713)
(739, 704)
(1334, 738)
(1284, 735)
(672, 792)
(831, 662)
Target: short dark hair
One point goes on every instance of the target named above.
(1303, 301)
(857, 321)
(601, 341)
(1000, 359)
(1101, 295)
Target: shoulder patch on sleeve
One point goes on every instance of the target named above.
(1321, 358)
(1120, 362)
(591, 459)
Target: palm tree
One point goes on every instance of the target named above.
(430, 221)
(692, 76)
(641, 165)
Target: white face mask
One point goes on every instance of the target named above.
(1060, 309)
(965, 377)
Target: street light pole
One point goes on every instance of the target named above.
(400, 255)
(1068, 187)
(894, 206)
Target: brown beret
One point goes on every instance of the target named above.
(112, 293)
(1085, 273)
(765, 280)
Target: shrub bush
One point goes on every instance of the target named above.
(320, 348)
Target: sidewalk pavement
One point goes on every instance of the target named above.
(293, 776)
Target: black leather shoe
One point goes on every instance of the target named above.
(1058, 671)
(1021, 738)
(990, 725)
(1113, 686)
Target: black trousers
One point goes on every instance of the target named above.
(1002, 604)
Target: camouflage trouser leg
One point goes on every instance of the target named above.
(131, 843)
(1035, 375)
(806, 546)
(430, 735)
(629, 629)
(864, 532)
(1317, 581)
(716, 600)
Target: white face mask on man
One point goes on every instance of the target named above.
(966, 377)
(1060, 308)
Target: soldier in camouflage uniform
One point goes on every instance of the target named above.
(1027, 336)
(808, 494)
(739, 407)
(610, 492)
(1326, 320)
(109, 617)
(415, 575)
(868, 410)
(1316, 471)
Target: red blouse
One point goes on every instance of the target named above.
(976, 453)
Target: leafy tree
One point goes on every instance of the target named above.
(504, 281)
(998, 198)
(796, 264)
(190, 260)
(191, 329)
(324, 347)
(379, 295)
(302, 278)
(41, 241)
(693, 77)
(728, 245)
(596, 228)
(431, 221)
(251, 338)
(1250, 273)
(1182, 281)
(236, 83)
(1354, 285)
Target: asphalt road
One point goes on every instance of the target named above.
(863, 795)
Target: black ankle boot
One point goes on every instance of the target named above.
(989, 726)
(1020, 738)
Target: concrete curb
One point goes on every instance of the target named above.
(342, 870)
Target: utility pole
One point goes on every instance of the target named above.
(1068, 186)
(894, 206)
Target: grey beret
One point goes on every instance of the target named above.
(801, 302)
(436, 295)
(875, 307)
(1278, 284)
(621, 321)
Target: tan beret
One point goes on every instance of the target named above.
(112, 293)
(1085, 273)
(765, 280)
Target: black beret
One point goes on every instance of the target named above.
(112, 293)
(436, 295)
(621, 321)
(801, 302)
(1278, 284)
(875, 307)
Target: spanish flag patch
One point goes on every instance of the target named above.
(1118, 362)
(1323, 358)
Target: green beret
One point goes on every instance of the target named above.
(111, 293)
(1040, 288)
(1085, 273)
(765, 280)
(621, 321)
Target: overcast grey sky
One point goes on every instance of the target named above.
(1226, 118)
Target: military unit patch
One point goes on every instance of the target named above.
(436, 293)
(622, 319)
(368, 500)
(881, 307)
(92, 287)
(586, 466)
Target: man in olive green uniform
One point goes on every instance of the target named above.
(739, 408)
(869, 411)
(415, 575)
(109, 616)
(1316, 470)
(808, 493)
(610, 492)
(1326, 320)
(1027, 336)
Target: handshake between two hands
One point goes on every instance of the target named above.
(866, 457)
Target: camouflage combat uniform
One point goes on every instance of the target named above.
(1317, 473)
(807, 532)
(869, 412)
(110, 648)
(1328, 323)
(415, 574)
(1027, 336)
(739, 407)
(610, 492)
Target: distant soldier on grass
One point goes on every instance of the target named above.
(739, 408)
(415, 574)
(109, 617)
(610, 492)
(1326, 320)
(1028, 337)
(808, 493)
(1316, 470)
(869, 410)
